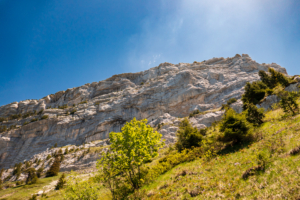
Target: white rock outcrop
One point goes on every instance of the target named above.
(161, 94)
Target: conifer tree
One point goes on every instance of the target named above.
(61, 182)
(254, 115)
(288, 102)
(54, 169)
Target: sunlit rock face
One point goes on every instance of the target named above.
(166, 92)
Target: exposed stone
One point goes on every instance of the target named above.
(161, 94)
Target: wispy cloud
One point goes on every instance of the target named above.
(198, 30)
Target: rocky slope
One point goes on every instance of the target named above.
(88, 113)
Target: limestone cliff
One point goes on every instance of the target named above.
(88, 113)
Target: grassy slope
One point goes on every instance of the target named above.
(25, 191)
(221, 177)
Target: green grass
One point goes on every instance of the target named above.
(25, 191)
(221, 177)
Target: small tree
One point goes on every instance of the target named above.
(254, 115)
(288, 102)
(61, 182)
(254, 92)
(31, 176)
(129, 150)
(188, 136)
(234, 127)
(54, 169)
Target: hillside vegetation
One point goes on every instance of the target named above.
(251, 155)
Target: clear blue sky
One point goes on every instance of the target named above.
(48, 46)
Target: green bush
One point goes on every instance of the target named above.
(66, 151)
(17, 170)
(195, 112)
(40, 112)
(54, 169)
(25, 123)
(61, 182)
(63, 107)
(73, 111)
(254, 93)
(187, 136)
(231, 101)
(83, 102)
(31, 176)
(3, 129)
(48, 157)
(254, 115)
(34, 120)
(45, 117)
(234, 128)
(2, 119)
(39, 172)
(288, 102)
(15, 116)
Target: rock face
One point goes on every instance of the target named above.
(161, 94)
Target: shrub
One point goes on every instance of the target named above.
(54, 169)
(40, 112)
(142, 83)
(63, 107)
(33, 197)
(31, 176)
(39, 172)
(254, 115)
(234, 127)
(25, 123)
(231, 101)
(17, 170)
(66, 151)
(61, 182)
(48, 157)
(73, 111)
(34, 120)
(15, 116)
(2, 119)
(3, 129)
(83, 102)
(55, 145)
(187, 136)
(195, 112)
(44, 117)
(254, 93)
(288, 102)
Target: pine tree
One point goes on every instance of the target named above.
(31, 176)
(61, 182)
(254, 115)
(54, 169)
(288, 102)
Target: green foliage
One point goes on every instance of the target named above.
(33, 197)
(142, 83)
(15, 116)
(55, 145)
(83, 102)
(54, 169)
(17, 170)
(31, 176)
(187, 136)
(121, 166)
(40, 170)
(288, 102)
(44, 117)
(234, 128)
(25, 123)
(275, 78)
(73, 111)
(3, 129)
(254, 93)
(231, 101)
(2, 119)
(63, 106)
(40, 112)
(195, 112)
(254, 115)
(61, 182)
(76, 189)
(34, 120)
(48, 157)
(66, 151)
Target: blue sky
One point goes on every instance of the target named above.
(48, 46)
